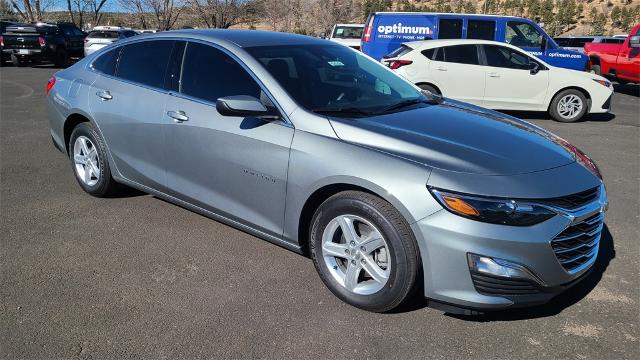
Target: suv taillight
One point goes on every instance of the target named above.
(367, 30)
(41, 40)
(50, 83)
(396, 64)
(1, 41)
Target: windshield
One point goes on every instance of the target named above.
(324, 78)
(347, 32)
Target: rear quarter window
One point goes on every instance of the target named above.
(106, 63)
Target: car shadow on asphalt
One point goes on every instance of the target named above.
(627, 89)
(606, 253)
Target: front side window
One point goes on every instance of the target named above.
(347, 32)
(522, 34)
(106, 63)
(481, 29)
(209, 74)
(325, 78)
(500, 56)
(145, 62)
(461, 54)
(450, 29)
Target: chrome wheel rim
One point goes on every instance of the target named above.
(85, 158)
(570, 106)
(356, 254)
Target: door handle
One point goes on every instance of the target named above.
(441, 68)
(104, 95)
(494, 75)
(178, 116)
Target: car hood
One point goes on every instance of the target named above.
(459, 137)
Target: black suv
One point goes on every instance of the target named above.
(43, 42)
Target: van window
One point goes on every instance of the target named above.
(461, 54)
(106, 63)
(481, 29)
(209, 74)
(450, 29)
(145, 62)
(522, 34)
(500, 56)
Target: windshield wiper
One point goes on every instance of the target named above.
(428, 99)
(342, 111)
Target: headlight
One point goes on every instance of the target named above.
(493, 210)
(603, 82)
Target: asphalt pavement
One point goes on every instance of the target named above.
(135, 276)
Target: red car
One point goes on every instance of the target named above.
(617, 61)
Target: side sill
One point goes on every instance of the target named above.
(217, 217)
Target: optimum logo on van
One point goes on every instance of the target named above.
(405, 32)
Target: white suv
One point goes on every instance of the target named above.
(347, 34)
(500, 76)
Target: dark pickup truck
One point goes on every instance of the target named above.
(42, 42)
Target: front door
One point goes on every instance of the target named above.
(233, 166)
(510, 84)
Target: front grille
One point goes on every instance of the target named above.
(574, 201)
(578, 244)
(494, 285)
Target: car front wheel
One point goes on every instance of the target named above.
(364, 251)
(568, 106)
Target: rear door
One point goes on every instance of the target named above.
(509, 83)
(458, 73)
(233, 166)
(128, 102)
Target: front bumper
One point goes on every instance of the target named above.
(446, 239)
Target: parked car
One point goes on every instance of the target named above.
(386, 31)
(347, 34)
(324, 151)
(501, 76)
(102, 36)
(146, 31)
(617, 61)
(43, 42)
(3, 28)
(576, 43)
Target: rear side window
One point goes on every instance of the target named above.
(106, 63)
(481, 29)
(450, 29)
(461, 54)
(613, 41)
(145, 62)
(209, 74)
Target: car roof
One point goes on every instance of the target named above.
(242, 38)
(352, 25)
(448, 42)
(448, 14)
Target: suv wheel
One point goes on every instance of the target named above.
(88, 157)
(568, 106)
(364, 251)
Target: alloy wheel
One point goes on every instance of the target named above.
(570, 106)
(85, 158)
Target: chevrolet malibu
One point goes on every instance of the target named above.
(324, 151)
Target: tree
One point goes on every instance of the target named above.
(221, 13)
(31, 10)
(598, 21)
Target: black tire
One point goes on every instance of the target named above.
(430, 88)
(105, 186)
(555, 112)
(61, 59)
(403, 252)
(596, 69)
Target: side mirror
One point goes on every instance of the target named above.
(534, 67)
(243, 105)
(634, 41)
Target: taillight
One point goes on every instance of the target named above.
(41, 40)
(50, 83)
(368, 29)
(396, 64)
(1, 41)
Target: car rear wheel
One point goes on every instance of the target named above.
(568, 106)
(88, 156)
(364, 251)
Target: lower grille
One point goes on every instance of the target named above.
(494, 285)
(578, 244)
(607, 104)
